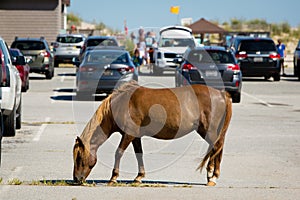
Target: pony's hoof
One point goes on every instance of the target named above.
(136, 181)
(211, 183)
(111, 183)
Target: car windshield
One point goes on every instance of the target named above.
(177, 42)
(211, 56)
(104, 57)
(28, 45)
(257, 45)
(69, 39)
(101, 42)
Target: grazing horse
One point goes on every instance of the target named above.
(166, 113)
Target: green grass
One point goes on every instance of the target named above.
(14, 181)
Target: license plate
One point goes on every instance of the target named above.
(258, 59)
(108, 73)
(211, 73)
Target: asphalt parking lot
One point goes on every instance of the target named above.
(261, 155)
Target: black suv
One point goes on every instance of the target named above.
(37, 50)
(210, 65)
(94, 41)
(257, 57)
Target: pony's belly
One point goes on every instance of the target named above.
(172, 133)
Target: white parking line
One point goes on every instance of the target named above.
(41, 130)
(257, 99)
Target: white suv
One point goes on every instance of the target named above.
(173, 41)
(66, 47)
(10, 100)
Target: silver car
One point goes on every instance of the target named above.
(66, 47)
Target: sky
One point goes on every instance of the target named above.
(156, 13)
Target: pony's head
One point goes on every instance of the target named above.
(83, 161)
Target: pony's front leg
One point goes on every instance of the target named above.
(125, 141)
(137, 145)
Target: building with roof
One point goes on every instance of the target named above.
(32, 18)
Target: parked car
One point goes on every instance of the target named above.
(297, 61)
(213, 66)
(22, 65)
(257, 57)
(37, 50)
(66, 47)
(98, 41)
(11, 101)
(173, 41)
(1, 116)
(102, 70)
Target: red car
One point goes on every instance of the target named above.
(22, 66)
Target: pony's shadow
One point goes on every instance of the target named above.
(122, 182)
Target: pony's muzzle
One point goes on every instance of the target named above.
(77, 180)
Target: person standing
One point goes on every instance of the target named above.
(137, 60)
(281, 50)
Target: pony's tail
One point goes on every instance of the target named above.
(218, 146)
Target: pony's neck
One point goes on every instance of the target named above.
(97, 131)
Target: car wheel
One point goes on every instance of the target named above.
(236, 97)
(9, 122)
(19, 116)
(56, 63)
(276, 77)
(49, 74)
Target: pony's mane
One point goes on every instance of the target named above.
(125, 87)
(104, 108)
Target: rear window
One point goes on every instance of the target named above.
(210, 56)
(69, 39)
(257, 45)
(101, 42)
(28, 45)
(177, 42)
(106, 57)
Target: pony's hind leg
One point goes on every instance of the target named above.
(137, 145)
(213, 166)
(125, 141)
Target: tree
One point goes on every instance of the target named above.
(73, 19)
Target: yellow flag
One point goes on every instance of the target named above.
(174, 10)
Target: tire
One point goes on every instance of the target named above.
(9, 122)
(56, 63)
(19, 116)
(236, 97)
(276, 77)
(49, 74)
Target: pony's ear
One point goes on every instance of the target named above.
(79, 142)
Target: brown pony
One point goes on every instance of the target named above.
(168, 113)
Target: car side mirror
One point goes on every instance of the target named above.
(76, 61)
